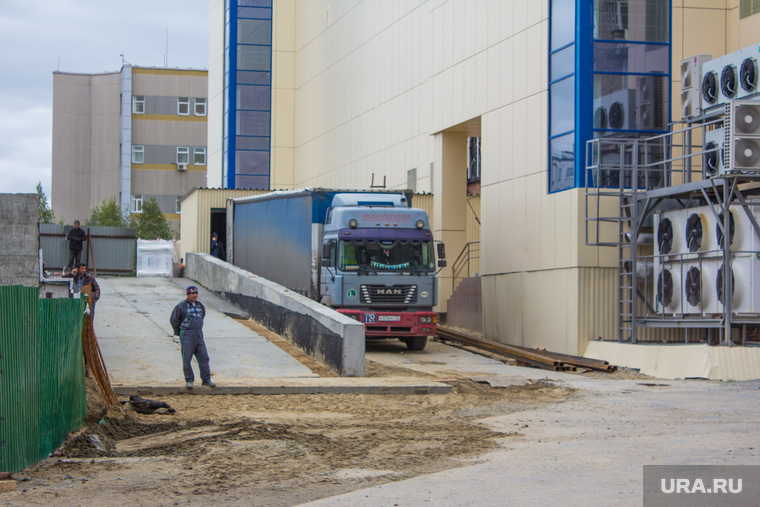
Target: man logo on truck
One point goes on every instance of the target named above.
(390, 292)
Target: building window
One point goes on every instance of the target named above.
(138, 104)
(562, 95)
(183, 155)
(473, 165)
(183, 106)
(137, 202)
(138, 154)
(199, 156)
(200, 107)
(178, 205)
(748, 7)
(411, 180)
(609, 75)
(247, 94)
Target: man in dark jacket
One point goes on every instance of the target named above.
(75, 237)
(82, 279)
(217, 249)
(187, 323)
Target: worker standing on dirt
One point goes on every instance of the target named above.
(187, 323)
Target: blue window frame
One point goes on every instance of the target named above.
(247, 94)
(562, 94)
(609, 75)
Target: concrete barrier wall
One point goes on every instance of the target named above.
(321, 332)
(20, 244)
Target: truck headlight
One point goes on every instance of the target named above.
(353, 223)
(426, 320)
(420, 224)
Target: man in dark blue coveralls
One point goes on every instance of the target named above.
(187, 323)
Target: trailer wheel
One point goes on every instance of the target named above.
(416, 342)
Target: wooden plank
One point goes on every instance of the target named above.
(7, 486)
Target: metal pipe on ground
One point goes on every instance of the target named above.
(525, 356)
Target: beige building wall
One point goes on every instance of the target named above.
(283, 94)
(85, 164)
(381, 88)
(215, 92)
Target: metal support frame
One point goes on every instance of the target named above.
(640, 173)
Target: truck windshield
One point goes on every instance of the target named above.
(386, 256)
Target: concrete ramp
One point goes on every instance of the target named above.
(132, 328)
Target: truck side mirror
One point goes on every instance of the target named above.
(326, 263)
(441, 263)
(326, 252)
(441, 251)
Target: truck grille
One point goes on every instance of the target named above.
(372, 294)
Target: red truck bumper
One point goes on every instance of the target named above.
(395, 324)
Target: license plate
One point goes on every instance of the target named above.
(389, 318)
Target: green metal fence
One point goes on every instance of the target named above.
(42, 393)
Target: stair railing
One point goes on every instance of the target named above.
(465, 263)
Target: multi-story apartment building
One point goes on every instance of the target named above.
(129, 136)
(397, 90)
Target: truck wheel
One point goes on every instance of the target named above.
(416, 342)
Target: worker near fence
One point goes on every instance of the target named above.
(80, 280)
(75, 237)
(187, 323)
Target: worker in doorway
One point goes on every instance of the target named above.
(75, 237)
(80, 280)
(187, 323)
(217, 249)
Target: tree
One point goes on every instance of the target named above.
(46, 214)
(108, 214)
(151, 223)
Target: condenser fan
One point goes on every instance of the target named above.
(617, 115)
(694, 232)
(719, 229)
(719, 285)
(710, 88)
(665, 236)
(600, 118)
(747, 153)
(711, 159)
(728, 81)
(693, 286)
(665, 288)
(747, 119)
(748, 74)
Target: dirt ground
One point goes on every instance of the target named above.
(271, 450)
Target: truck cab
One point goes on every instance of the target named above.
(378, 266)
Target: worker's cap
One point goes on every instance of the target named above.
(192, 290)
(76, 222)
(214, 235)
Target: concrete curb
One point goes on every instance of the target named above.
(300, 386)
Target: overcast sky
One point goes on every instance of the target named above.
(81, 36)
